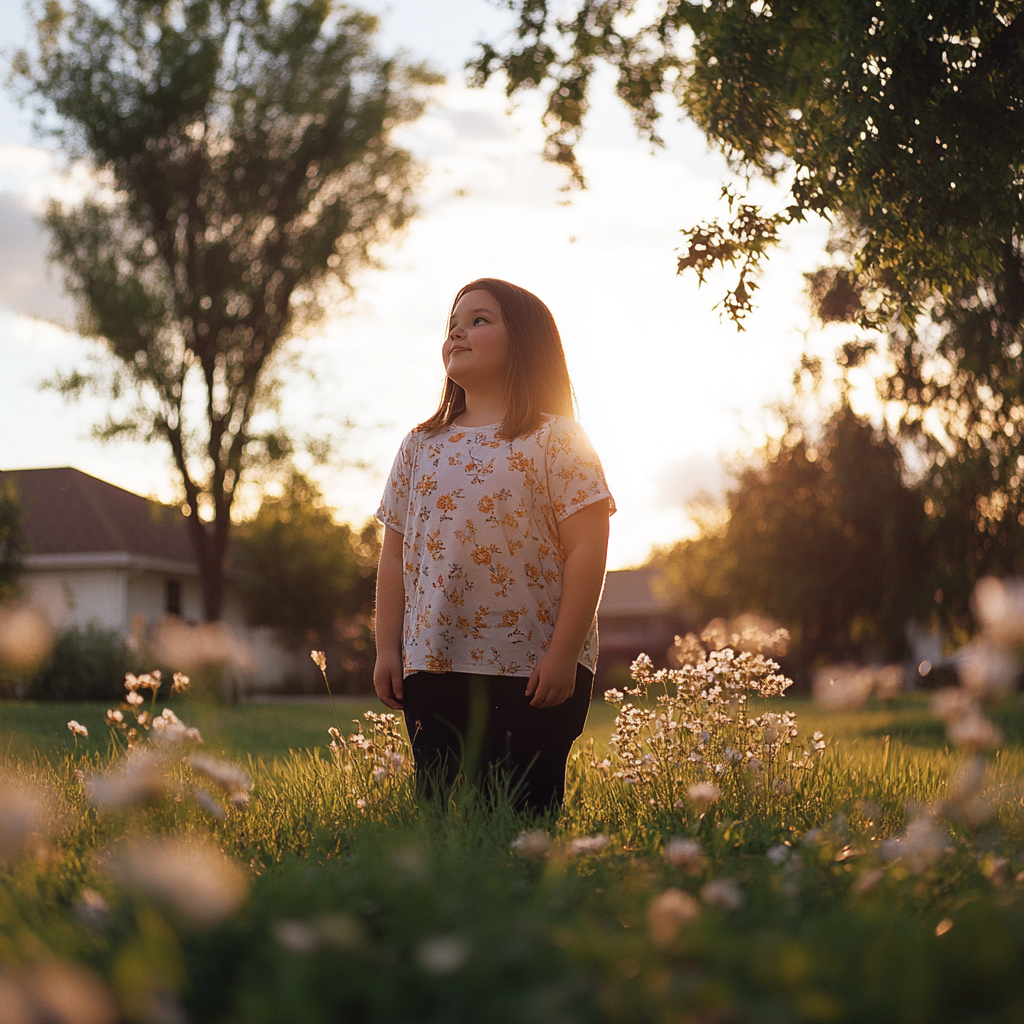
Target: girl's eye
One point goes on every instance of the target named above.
(479, 320)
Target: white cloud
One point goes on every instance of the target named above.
(28, 285)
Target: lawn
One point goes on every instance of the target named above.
(272, 729)
(858, 884)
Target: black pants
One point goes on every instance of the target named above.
(484, 727)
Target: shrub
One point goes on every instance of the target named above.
(87, 664)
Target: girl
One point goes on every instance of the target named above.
(493, 557)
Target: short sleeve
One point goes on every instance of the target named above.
(394, 505)
(575, 476)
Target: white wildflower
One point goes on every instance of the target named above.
(685, 854)
(443, 954)
(229, 777)
(78, 730)
(999, 607)
(952, 703)
(140, 777)
(614, 696)
(668, 912)
(723, 893)
(532, 845)
(26, 637)
(208, 804)
(974, 732)
(57, 991)
(24, 811)
(295, 936)
(134, 698)
(987, 670)
(867, 881)
(919, 847)
(778, 854)
(171, 731)
(114, 717)
(197, 881)
(704, 793)
(845, 686)
(92, 909)
(179, 684)
(587, 844)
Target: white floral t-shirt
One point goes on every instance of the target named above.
(483, 565)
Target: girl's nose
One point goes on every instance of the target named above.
(456, 332)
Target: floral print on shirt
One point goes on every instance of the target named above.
(479, 519)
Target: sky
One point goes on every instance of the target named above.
(667, 391)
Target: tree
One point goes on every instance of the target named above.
(957, 381)
(244, 162)
(904, 120)
(308, 576)
(822, 535)
(12, 540)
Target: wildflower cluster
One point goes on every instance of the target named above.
(369, 762)
(991, 664)
(701, 734)
(166, 728)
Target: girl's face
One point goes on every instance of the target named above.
(476, 349)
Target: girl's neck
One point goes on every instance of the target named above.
(481, 410)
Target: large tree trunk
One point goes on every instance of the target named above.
(210, 542)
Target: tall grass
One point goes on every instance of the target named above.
(394, 910)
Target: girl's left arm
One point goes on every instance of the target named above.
(584, 540)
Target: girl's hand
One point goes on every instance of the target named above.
(553, 681)
(387, 678)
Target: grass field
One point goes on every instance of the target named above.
(342, 898)
(272, 729)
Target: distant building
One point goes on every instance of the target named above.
(100, 555)
(636, 616)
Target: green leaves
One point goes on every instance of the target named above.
(12, 539)
(244, 164)
(308, 576)
(903, 117)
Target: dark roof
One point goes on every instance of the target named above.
(635, 592)
(69, 512)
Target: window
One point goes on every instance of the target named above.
(173, 603)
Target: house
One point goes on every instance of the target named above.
(100, 555)
(637, 615)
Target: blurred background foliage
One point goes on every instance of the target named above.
(87, 663)
(12, 541)
(819, 532)
(310, 577)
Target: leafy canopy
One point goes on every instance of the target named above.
(244, 162)
(903, 120)
(819, 533)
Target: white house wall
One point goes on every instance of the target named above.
(147, 596)
(80, 597)
(111, 598)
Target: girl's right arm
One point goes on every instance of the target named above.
(387, 671)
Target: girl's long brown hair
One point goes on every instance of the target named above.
(536, 377)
